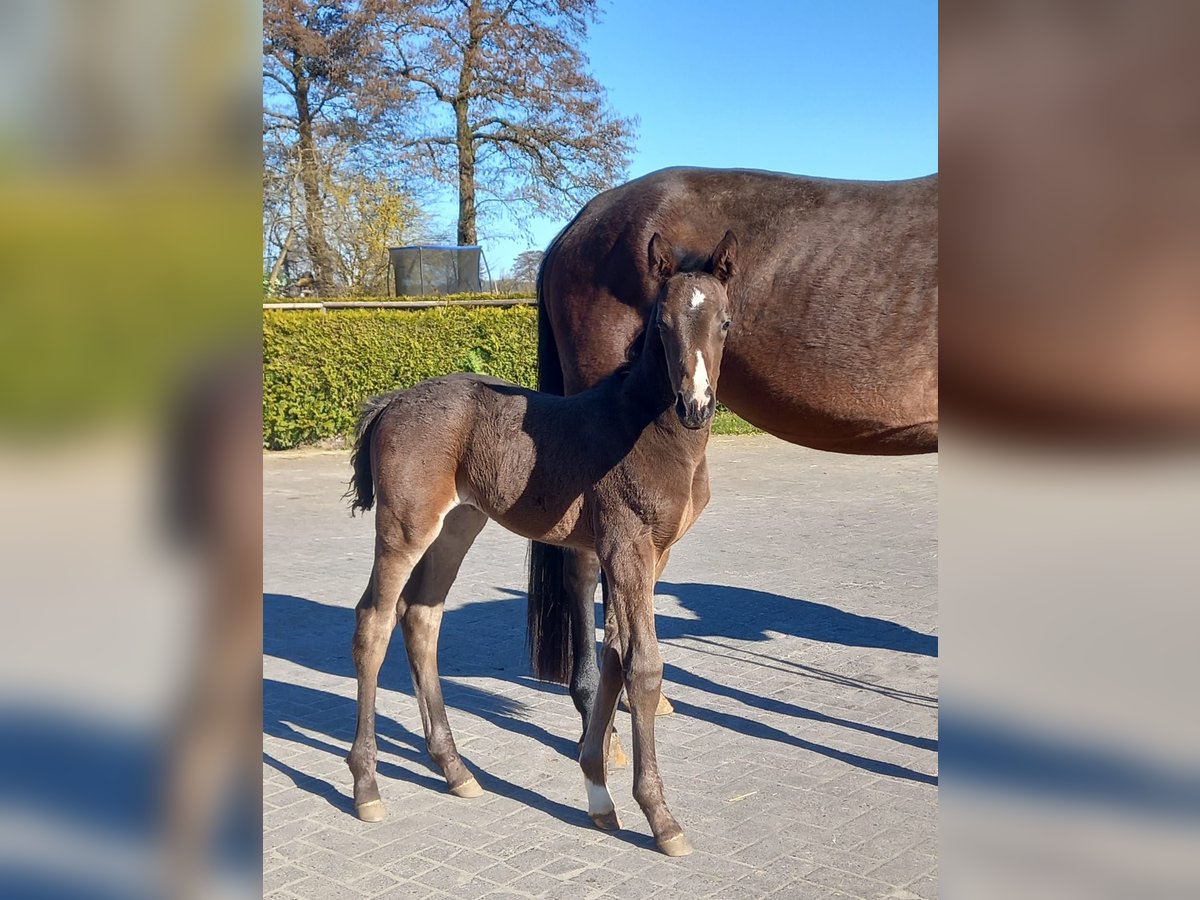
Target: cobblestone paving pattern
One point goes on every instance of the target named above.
(798, 624)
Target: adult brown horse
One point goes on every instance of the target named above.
(835, 345)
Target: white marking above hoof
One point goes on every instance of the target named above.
(600, 801)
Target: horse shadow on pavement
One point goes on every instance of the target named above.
(746, 614)
(487, 639)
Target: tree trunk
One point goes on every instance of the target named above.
(324, 270)
(463, 139)
(283, 252)
(466, 176)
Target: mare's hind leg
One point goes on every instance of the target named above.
(400, 541)
(664, 705)
(421, 608)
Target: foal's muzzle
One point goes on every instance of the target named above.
(694, 412)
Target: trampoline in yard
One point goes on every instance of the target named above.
(423, 269)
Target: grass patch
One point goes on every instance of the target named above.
(726, 422)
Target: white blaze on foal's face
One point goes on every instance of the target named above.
(700, 376)
(700, 379)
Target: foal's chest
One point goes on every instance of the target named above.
(680, 511)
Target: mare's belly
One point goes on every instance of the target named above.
(835, 417)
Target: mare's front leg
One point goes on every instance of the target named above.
(631, 568)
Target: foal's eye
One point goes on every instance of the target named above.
(726, 324)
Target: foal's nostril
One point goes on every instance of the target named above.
(680, 405)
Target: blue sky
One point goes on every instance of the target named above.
(841, 88)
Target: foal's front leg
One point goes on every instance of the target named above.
(630, 638)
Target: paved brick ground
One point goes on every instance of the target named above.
(798, 624)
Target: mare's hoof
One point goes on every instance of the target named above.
(469, 788)
(606, 821)
(616, 754)
(664, 705)
(675, 846)
(370, 811)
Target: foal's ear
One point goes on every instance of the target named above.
(662, 258)
(723, 262)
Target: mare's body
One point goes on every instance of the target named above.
(835, 344)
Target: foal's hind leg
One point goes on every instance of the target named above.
(421, 608)
(400, 540)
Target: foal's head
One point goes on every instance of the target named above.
(692, 318)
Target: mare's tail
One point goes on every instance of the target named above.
(548, 614)
(361, 492)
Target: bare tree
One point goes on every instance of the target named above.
(281, 208)
(318, 56)
(515, 116)
(525, 267)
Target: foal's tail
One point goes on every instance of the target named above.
(361, 492)
(548, 621)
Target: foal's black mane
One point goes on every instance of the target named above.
(637, 346)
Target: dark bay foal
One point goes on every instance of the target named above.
(618, 470)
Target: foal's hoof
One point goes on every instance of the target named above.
(606, 821)
(370, 811)
(469, 788)
(616, 754)
(675, 846)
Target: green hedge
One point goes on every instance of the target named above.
(318, 368)
(438, 298)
